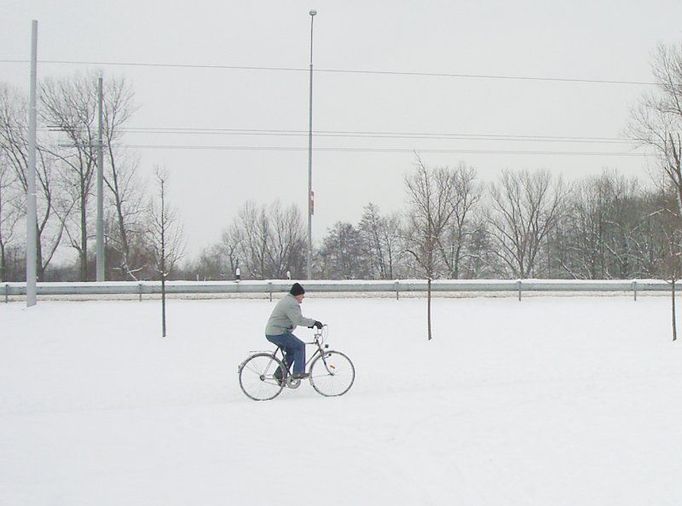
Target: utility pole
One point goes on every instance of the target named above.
(100, 186)
(310, 156)
(31, 212)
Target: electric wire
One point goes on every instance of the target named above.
(374, 135)
(357, 134)
(378, 150)
(364, 134)
(340, 71)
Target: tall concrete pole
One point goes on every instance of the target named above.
(31, 212)
(310, 156)
(100, 186)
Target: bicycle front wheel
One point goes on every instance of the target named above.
(257, 377)
(332, 374)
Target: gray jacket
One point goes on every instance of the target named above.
(286, 315)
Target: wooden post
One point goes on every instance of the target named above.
(163, 298)
(428, 298)
(674, 319)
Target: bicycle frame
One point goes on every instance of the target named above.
(269, 364)
(319, 337)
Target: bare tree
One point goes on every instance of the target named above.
(286, 242)
(674, 270)
(382, 238)
(229, 250)
(70, 105)
(431, 195)
(651, 237)
(265, 242)
(125, 190)
(623, 222)
(167, 238)
(252, 234)
(671, 261)
(453, 242)
(11, 211)
(53, 206)
(525, 208)
(370, 228)
(656, 121)
(218, 261)
(480, 260)
(391, 236)
(584, 230)
(599, 223)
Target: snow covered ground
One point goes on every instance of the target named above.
(549, 401)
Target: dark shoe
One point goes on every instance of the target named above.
(278, 376)
(300, 375)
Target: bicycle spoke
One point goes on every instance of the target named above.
(256, 377)
(332, 374)
(252, 368)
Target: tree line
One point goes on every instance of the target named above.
(524, 225)
(66, 165)
(452, 224)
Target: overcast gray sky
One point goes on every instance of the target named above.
(588, 40)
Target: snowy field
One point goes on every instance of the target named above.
(549, 401)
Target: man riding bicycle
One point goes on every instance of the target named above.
(283, 320)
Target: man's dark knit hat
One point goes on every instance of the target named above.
(296, 289)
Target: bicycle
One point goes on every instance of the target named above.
(331, 372)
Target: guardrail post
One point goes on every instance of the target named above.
(397, 290)
(6, 293)
(139, 290)
(519, 287)
(634, 289)
(270, 290)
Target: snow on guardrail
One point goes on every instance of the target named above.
(338, 286)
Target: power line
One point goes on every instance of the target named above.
(373, 134)
(370, 135)
(491, 76)
(378, 150)
(342, 71)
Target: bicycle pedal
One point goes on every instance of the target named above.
(293, 382)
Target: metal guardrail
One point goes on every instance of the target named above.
(270, 287)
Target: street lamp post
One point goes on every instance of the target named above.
(310, 155)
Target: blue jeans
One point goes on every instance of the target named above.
(294, 350)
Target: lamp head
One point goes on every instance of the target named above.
(312, 12)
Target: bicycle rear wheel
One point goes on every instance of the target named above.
(257, 376)
(332, 374)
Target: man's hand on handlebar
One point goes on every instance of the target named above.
(317, 325)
